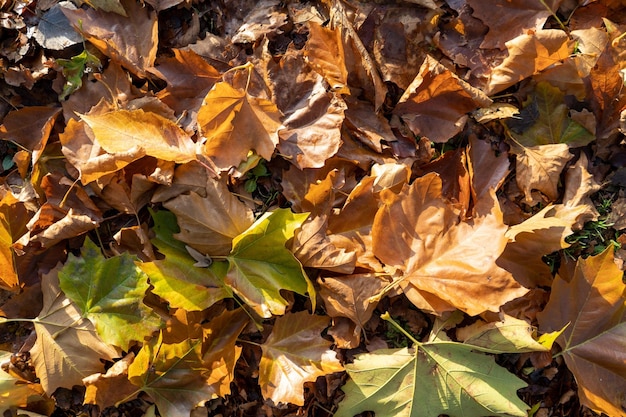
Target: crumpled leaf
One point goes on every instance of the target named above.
(435, 104)
(261, 266)
(293, 354)
(445, 263)
(141, 133)
(129, 40)
(15, 392)
(176, 279)
(67, 348)
(106, 390)
(594, 342)
(435, 378)
(539, 168)
(174, 375)
(109, 292)
(234, 123)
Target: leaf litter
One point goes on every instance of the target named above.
(312, 208)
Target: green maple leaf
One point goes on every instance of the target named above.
(176, 279)
(430, 379)
(109, 292)
(261, 266)
(545, 120)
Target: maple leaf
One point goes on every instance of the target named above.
(109, 292)
(14, 391)
(176, 279)
(446, 263)
(141, 133)
(436, 102)
(67, 348)
(431, 379)
(174, 375)
(209, 216)
(134, 42)
(261, 266)
(293, 354)
(592, 308)
(234, 123)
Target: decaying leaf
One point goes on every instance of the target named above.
(591, 307)
(293, 354)
(110, 293)
(15, 392)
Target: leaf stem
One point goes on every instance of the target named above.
(387, 317)
(554, 15)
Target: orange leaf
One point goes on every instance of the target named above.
(293, 354)
(445, 263)
(234, 123)
(123, 131)
(594, 342)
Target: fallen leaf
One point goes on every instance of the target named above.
(435, 104)
(109, 292)
(445, 263)
(176, 279)
(142, 133)
(261, 266)
(487, 170)
(173, 375)
(436, 378)
(539, 168)
(15, 392)
(591, 307)
(293, 354)
(108, 389)
(8, 273)
(234, 123)
(325, 53)
(67, 348)
(129, 40)
(529, 54)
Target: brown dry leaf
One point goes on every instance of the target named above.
(445, 263)
(189, 78)
(30, 127)
(113, 387)
(325, 53)
(130, 41)
(539, 168)
(455, 178)
(235, 123)
(592, 309)
(530, 240)
(529, 54)
(579, 185)
(508, 19)
(68, 212)
(266, 18)
(486, 169)
(437, 101)
(311, 131)
(67, 347)
(367, 126)
(209, 221)
(146, 133)
(353, 297)
(9, 227)
(293, 354)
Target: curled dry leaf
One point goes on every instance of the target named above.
(112, 387)
(436, 102)
(539, 168)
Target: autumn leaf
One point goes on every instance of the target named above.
(15, 392)
(539, 168)
(592, 307)
(445, 263)
(431, 379)
(234, 123)
(110, 293)
(261, 266)
(112, 387)
(293, 354)
(174, 375)
(176, 279)
(8, 273)
(68, 347)
(141, 133)
(134, 42)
